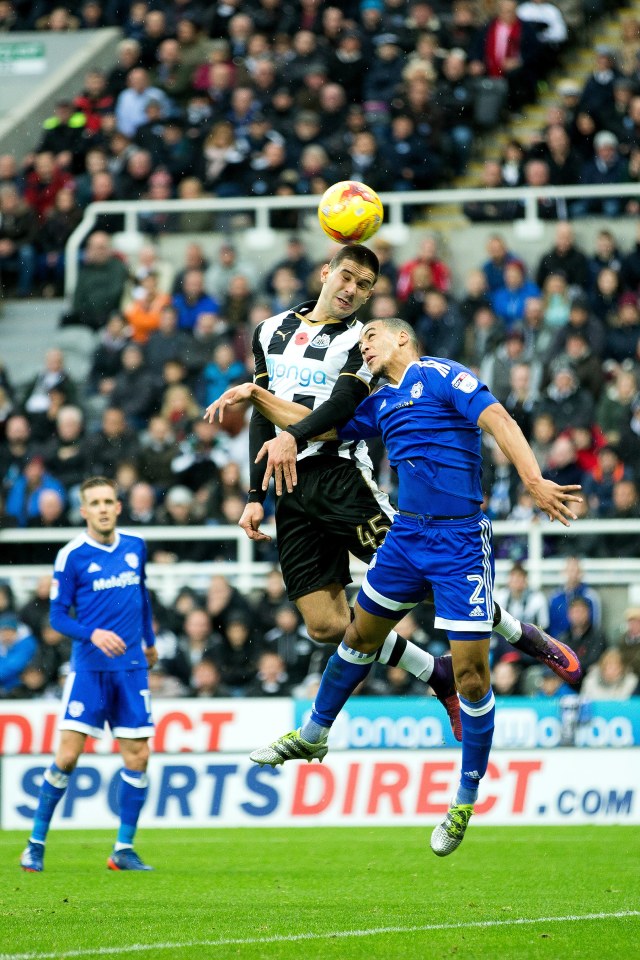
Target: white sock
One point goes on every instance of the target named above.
(413, 659)
(509, 627)
(122, 846)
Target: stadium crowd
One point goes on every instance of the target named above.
(257, 99)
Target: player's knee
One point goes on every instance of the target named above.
(328, 631)
(472, 680)
(355, 639)
(137, 757)
(66, 760)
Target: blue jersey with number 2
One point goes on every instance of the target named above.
(428, 423)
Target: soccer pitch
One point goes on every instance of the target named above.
(522, 892)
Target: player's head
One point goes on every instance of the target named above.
(387, 345)
(100, 507)
(348, 281)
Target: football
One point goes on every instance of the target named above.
(350, 212)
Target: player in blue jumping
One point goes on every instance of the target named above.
(430, 413)
(101, 575)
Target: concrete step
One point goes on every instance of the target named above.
(29, 327)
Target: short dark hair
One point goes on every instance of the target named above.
(98, 481)
(397, 324)
(359, 254)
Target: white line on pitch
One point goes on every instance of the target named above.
(330, 935)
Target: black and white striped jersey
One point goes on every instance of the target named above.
(301, 361)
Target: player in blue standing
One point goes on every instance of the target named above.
(101, 575)
(430, 413)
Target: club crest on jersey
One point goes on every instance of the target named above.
(416, 390)
(132, 560)
(301, 338)
(465, 382)
(322, 341)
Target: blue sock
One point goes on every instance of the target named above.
(477, 733)
(345, 669)
(134, 785)
(52, 790)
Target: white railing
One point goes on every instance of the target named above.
(247, 573)
(528, 227)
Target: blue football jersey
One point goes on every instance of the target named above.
(428, 423)
(105, 586)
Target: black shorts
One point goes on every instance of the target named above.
(332, 512)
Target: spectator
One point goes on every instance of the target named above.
(606, 167)
(609, 678)
(509, 300)
(428, 257)
(64, 141)
(625, 507)
(179, 510)
(22, 500)
(143, 312)
(16, 450)
(497, 366)
(135, 391)
(140, 507)
(499, 256)
(271, 678)
(538, 174)
(623, 330)
(206, 680)
(573, 586)
(521, 601)
(63, 453)
(483, 337)
(110, 445)
(597, 96)
(564, 258)
(106, 360)
(455, 97)
(491, 211)
(54, 375)
(101, 282)
(289, 639)
(132, 102)
(580, 321)
(439, 326)
(228, 266)
(193, 300)
(565, 401)
(507, 47)
(585, 365)
(506, 676)
(615, 406)
(223, 163)
(158, 450)
(562, 463)
(629, 443)
(199, 640)
(17, 234)
(17, 647)
(237, 655)
(59, 223)
(583, 636)
(629, 642)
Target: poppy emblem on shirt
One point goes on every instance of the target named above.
(132, 560)
(416, 390)
(301, 338)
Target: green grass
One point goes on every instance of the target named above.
(252, 885)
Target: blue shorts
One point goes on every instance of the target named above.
(454, 556)
(120, 698)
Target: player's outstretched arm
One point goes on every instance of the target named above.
(550, 497)
(280, 412)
